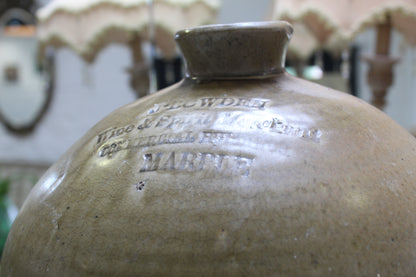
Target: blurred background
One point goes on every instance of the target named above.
(65, 64)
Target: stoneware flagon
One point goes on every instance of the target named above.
(238, 170)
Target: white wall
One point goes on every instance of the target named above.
(233, 11)
(82, 96)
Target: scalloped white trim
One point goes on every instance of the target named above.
(81, 6)
(379, 15)
(89, 48)
(88, 33)
(87, 51)
(291, 11)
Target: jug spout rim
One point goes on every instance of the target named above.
(239, 50)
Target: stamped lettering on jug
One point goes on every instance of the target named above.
(195, 161)
(212, 102)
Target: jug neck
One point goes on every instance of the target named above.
(235, 51)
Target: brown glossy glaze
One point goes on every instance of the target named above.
(227, 174)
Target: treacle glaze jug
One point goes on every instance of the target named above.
(238, 170)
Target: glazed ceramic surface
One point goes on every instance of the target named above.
(238, 170)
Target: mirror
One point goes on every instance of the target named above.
(26, 77)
